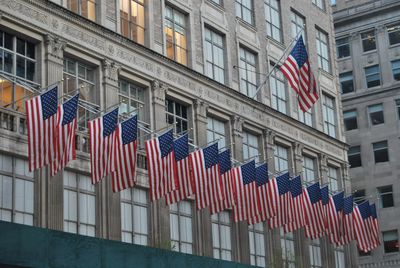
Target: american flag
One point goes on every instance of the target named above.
(297, 206)
(325, 202)
(362, 230)
(161, 165)
(348, 230)
(41, 119)
(283, 204)
(65, 137)
(215, 189)
(335, 219)
(313, 211)
(226, 179)
(125, 155)
(181, 148)
(102, 141)
(267, 195)
(375, 225)
(298, 72)
(246, 206)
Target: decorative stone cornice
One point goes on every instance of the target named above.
(237, 125)
(111, 70)
(55, 46)
(200, 108)
(269, 136)
(159, 90)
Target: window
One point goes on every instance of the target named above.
(132, 19)
(359, 196)
(134, 226)
(350, 119)
(329, 112)
(214, 52)
(218, 2)
(85, 8)
(181, 227)
(288, 252)
(257, 245)
(244, 10)
(131, 98)
(396, 69)
(221, 235)
(323, 51)
(394, 34)
(343, 47)
(281, 159)
(346, 82)
(339, 257)
(79, 75)
(16, 190)
(176, 35)
(215, 131)
(273, 20)
(306, 117)
(278, 90)
(247, 69)
(333, 178)
(391, 241)
(376, 114)
(373, 76)
(250, 146)
(315, 254)
(398, 108)
(354, 156)
(319, 3)
(386, 196)
(368, 40)
(176, 114)
(79, 204)
(381, 153)
(298, 24)
(309, 169)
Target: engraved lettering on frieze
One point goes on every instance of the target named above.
(333, 150)
(83, 37)
(25, 10)
(137, 61)
(177, 79)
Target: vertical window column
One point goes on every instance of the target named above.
(288, 251)
(281, 159)
(273, 19)
(215, 54)
(132, 19)
(257, 245)
(244, 10)
(309, 169)
(328, 104)
(315, 254)
(221, 235)
(181, 227)
(278, 90)
(248, 78)
(250, 146)
(176, 35)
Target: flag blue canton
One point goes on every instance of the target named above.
(225, 161)
(262, 174)
(283, 182)
(129, 130)
(295, 186)
(364, 209)
(348, 205)
(373, 211)
(248, 172)
(325, 195)
(166, 142)
(69, 110)
(110, 122)
(299, 52)
(314, 192)
(181, 147)
(338, 201)
(49, 103)
(211, 155)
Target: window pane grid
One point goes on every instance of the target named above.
(132, 20)
(176, 36)
(298, 24)
(343, 47)
(333, 179)
(176, 115)
(281, 159)
(272, 17)
(257, 245)
(278, 90)
(373, 76)
(394, 34)
(244, 10)
(85, 8)
(323, 51)
(368, 40)
(288, 251)
(250, 146)
(181, 227)
(215, 131)
(215, 62)
(329, 116)
(248, 79)
(309, 169)
(221, 233)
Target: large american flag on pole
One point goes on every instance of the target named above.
(335, 218)
(325, 202)
(313, 211)
(125, 155)
(283, 205)
(65, 134)
(348, 230)
(226, 179)
(102, 141)
(41, 119)
(375, 226)
(181, 148)
(297, 206)
(298, 72)
(244, 178)
(161, 165)
(362, 230)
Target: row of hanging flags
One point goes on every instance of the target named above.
(206, 174)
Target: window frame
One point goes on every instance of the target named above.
(365, 36)
(329, 111)
(333, 179)
(355, 154)
(181, 215)
(320, 4)
(248, 148)
(395, 71)
(280, 161)
(378, 72)
(315, 244)
(309, 170)
(176, 117)
(323, 45)
(216, 134)
(385, 192)
(371, 121)
(383, 149)
(344, 78)
(352, 116)
(277, 85)
(244, 64)
(287, 241)
(256, 256)
(269, 11)
(214, 45)
(339, 45)
(132, 24)
(217, 222)
(393, 31)
(339, 253)
(176, 25)
(239, 3)
(79, 11)
(295, 17)
(384, 242)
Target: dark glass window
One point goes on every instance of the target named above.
(368, 41)
(373, 76)
(381, 152)
(350, 119)
(386, 196)
(346, 82)
(359, 196)
(394, 34)
(354, 156)
(177, 115)
(391, 241)
(376, 114)
(343, 47)
(396, 69)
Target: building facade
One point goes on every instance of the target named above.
(368, 51)
(193, 65)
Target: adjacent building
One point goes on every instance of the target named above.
(368, 54)
(195, 65)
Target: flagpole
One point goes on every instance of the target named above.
(276, 64)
